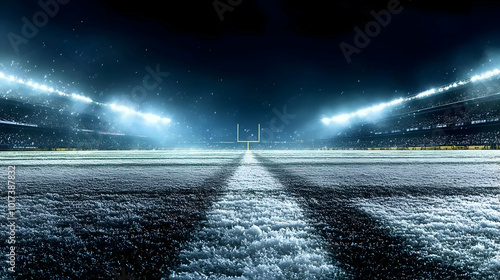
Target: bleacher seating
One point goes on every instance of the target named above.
(465, 116)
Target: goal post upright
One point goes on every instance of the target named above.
(248, 142)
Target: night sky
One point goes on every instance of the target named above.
(277, 63)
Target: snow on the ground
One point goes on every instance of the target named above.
(83, 214)
(255, 231)
(462, 230)
(464, 169)
(70, 204)
(117, 158)
(459, 230)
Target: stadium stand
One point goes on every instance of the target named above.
(466, 117)
(28, 121)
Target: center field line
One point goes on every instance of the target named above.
(255, 231)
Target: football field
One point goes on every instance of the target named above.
(209, 214)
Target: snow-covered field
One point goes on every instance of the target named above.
(460, 230)
(255, 231)
(441, 207)
(260, 215)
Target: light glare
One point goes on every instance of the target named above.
(120, 108)
(377, 108)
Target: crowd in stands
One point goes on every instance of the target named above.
(463, 114)
(490, 138)
(35, 138)
(48, 118)
(466, 116)
(34, 120)
(474, 91)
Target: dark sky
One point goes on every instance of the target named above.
(277, 63)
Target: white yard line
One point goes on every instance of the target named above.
(255, 231)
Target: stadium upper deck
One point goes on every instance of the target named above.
(466, 115)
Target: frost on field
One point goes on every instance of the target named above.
(460, 230)
(255, 231)
(87, 215)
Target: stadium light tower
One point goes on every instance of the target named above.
(248, 142)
